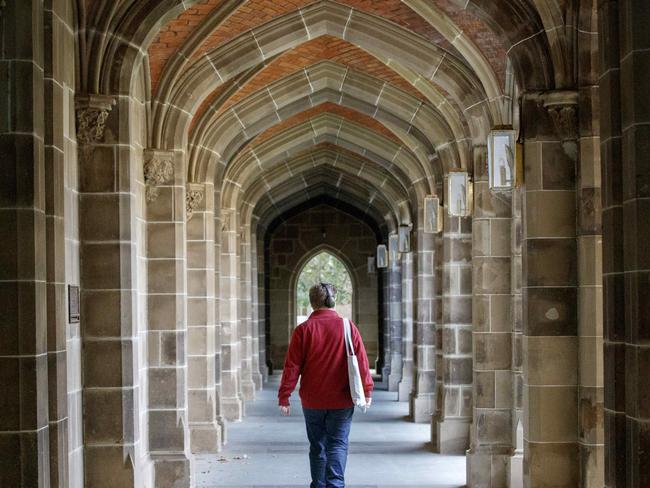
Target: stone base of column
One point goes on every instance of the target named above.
(517, 470)
(421, 408)
(258, 381)
(450, 436)
(171, 471)
(233, 409)
(404, 390)
(223, 428)
(393, 381)
(205, 438)
(248, 389)
(488, 470)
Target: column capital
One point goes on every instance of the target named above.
(158, 169)
(562, 107)
(92, 112)
(194, 195)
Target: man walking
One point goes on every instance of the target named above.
(318, 355)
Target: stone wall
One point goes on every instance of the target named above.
(293, 243)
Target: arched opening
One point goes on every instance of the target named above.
(324, 268)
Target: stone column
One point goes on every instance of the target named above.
(406, 383)
(450, 425)
(262, 308)
(624, 125)
(109, 189)
(24, 430)
(590, 258)
(245, 315)
(491, 433)
(394, 315)
(549, 291)
(166, 336)
(385, 347)
(258, 378)
(204, 404)
(423, 398)
(233, 406)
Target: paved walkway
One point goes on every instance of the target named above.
(267, 450)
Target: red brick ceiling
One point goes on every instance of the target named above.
(257, 12)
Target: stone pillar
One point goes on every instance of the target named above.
(450, 425)
(384, 350)
(204, 404)
(423, 398)
(394, 315)
(166, 336)
(248, 385)
(258, 377)
(218, 334)
(109, 190)
(549, 291)
(491, 433)
(405, 387)
(517, 323)
(24, 430)
(262, 309)
(624, 126)
(233, 407)
(590, 258)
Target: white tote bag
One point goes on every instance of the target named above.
(354, 375)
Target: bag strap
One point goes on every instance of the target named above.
(347, 337)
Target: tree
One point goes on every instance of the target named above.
(323, 268)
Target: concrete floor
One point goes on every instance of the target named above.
(386, 450)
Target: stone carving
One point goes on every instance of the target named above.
(562, 107)
(157, 170)
(92, 113)
(193, 198)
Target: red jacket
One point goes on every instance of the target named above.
(317, 354)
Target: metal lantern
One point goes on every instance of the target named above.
(459, 194)
(404, 238)
(502, 159)
(393, 247)
(371, 265)
(432, 215)
(382, 256)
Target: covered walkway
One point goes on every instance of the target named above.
(266, 449)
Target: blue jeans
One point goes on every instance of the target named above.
(328, 431)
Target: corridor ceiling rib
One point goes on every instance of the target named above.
(382, 39)
(417, 125)
(346, 170)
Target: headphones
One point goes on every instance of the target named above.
(329, 299)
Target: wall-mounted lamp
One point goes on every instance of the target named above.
(432, 215)
(393, 247)
(382, 256)
(504, 160)
(404, 238)
(371, 265)
(459, 194)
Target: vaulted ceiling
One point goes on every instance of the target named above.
(270, 99)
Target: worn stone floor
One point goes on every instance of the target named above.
(386, 450)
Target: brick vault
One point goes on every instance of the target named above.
(169, 165)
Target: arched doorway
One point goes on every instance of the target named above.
(324, 268)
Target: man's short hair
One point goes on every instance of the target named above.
(322, 295)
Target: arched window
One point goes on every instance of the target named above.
(326, 268)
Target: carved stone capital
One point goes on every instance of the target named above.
(92, 112)
(158, 169)
(193, 198)
(562, 107)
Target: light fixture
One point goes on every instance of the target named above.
(432, 215)
(404, 241)
(393, 247)
(459, 194)
(503, 159)
(382, 256)
(371, 265)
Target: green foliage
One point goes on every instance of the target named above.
(325, 268)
